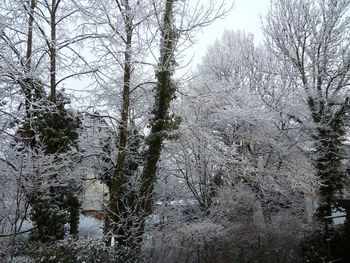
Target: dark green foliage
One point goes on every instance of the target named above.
(34, 96)
(51, 211)
(35, 104)
(49, 216)
(161, 122)
(51, 125)
(53, 129)
(329, 163)
(321, 246)
(159, 125)
(58, 126)
(125, 203)
(105, 167)
(73, 206)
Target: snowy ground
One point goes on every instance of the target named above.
(341, 220)
(90, 227)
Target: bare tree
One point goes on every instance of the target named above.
(118, 217)
(163, 121)
(312, 38)
(136, 19)
(236, 130)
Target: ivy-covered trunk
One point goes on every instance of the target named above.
(314, 48)
(161, 122)
(329, 164)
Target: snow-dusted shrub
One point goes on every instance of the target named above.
(11, 247)
(4, 247)
(86, 251)
(182, 242)
(240, 243)
(232, 232)
(327, 246)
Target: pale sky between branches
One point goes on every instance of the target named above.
(246, 16)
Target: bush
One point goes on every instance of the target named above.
(245, 243)
(69, 251)
(321, 246)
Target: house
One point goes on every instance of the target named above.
(99, 141)
(94, 197)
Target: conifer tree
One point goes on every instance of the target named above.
(52, 130)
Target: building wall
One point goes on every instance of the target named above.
(95, 195)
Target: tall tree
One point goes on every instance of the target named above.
(161, 121)
(121, 177)
(312, 38)
(52, 47)
(46, 125)
(233, 134)
(117, 205)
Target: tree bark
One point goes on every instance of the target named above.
(26, 84)
(329, 163)
(116, 206)
(53, 51)
(164, 94)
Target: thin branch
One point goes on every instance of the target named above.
(76, 74)
(17, 233)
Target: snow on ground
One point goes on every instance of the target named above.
(340, 220)
(90, 227)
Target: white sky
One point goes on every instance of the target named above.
(245, 16)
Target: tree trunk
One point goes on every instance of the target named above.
(164, 94)
(53, 51)
(74, 213)
(26, 84)
(329, 167)
(116, 206)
